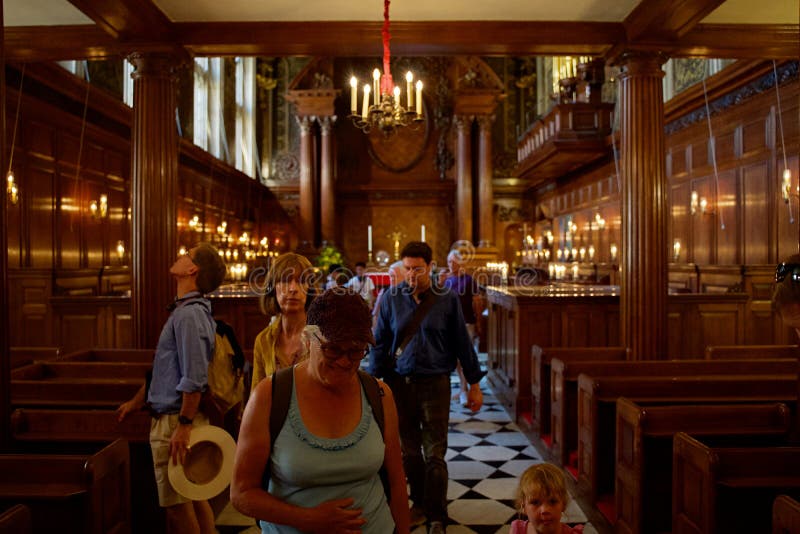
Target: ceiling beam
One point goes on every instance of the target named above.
(739, 41)
(354, 39)
(29, 44)
(128, 20)
(666, 19)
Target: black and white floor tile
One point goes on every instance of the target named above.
(486, 455)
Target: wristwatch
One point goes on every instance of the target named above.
(183, 420)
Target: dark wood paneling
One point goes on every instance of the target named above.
(756, 213)
(788, 213)
(703, 223)
(38, 219)
(728, 213)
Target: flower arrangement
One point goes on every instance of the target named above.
(328, 255)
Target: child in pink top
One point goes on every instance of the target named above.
(542, 497)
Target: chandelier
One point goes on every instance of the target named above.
(384, 111)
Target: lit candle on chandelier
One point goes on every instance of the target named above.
(419, 98)
(365, 105)
(396, 92)
(376, 78)
(409, 79)
(353, 95)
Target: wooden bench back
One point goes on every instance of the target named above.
(75, 493)
(643, 457)
(25, 355)
(86, 370)
(727, 352)
(110, 355)
(73, 392)
(785, 515)
(16, 520)
(47, 425)
(700, 471)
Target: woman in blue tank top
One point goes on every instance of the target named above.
(326, 458)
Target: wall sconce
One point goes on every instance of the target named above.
(573, 228)
(676, 250)
(194, 223)
(99, 209)
(11, 189)
(601, 222)
(181, 251)
(786, 185)
(222, 228)
(591, 252)
(560, 254)
(549, 237)
(693, 203)
(120, 251)
(582, 252)
(613, 251)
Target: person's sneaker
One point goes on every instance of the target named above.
(436, 527)
(417, 516)
(462, 397)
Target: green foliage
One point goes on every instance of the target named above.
(327, 256)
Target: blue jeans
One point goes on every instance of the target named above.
(423, 408)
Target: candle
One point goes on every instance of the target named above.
(419, 98)
(409, 79)
(396, 92)
(353, 95)
(376, 77)
(365, 105)
(676, 247)
(369, 238)
(613, 251)
(422, 232)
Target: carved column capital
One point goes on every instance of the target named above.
(641, 63)
(326, 123)
(304, 121)
(485, 121)
(155, 64)
(463, 122)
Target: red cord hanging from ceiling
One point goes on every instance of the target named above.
(387, 85)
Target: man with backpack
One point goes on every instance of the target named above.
(180, 376)
(419, 336)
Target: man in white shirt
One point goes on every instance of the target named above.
(362, 284)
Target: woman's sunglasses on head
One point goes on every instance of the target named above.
(792, 270)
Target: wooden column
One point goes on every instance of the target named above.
(464, 177)
(306, 230)
(485, 192)
(5, 357)
(154, 187)
(327, 190)
(645, 201)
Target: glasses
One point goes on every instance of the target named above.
(791, 270)
(333, 352)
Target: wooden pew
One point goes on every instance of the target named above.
(16, 520)
(74, 392)
(540, 375)
(597, 398)
(729, 352)
(785, 515)
(110, 355)
(32, 424)
(564, 381)
(71, 493)
(728, 489)
(50, 371)
(26, 355)
(644, 451)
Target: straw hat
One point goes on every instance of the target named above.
(208, 466)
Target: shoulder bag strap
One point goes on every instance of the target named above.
(411, 327)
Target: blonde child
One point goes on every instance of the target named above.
(542, 497)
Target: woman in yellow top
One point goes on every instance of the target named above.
(290, 283)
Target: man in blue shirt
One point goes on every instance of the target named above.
(419, 375)
(180, 376)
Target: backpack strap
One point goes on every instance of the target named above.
(375, 394)
(282, 382)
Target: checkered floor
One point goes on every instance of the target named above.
(486, 454)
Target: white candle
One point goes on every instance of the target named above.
(365, 105)
(419, 97)
(396, 93)
(409, 79)
(353, 95)
(369, 238)
(422, 232)
(376, 80)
